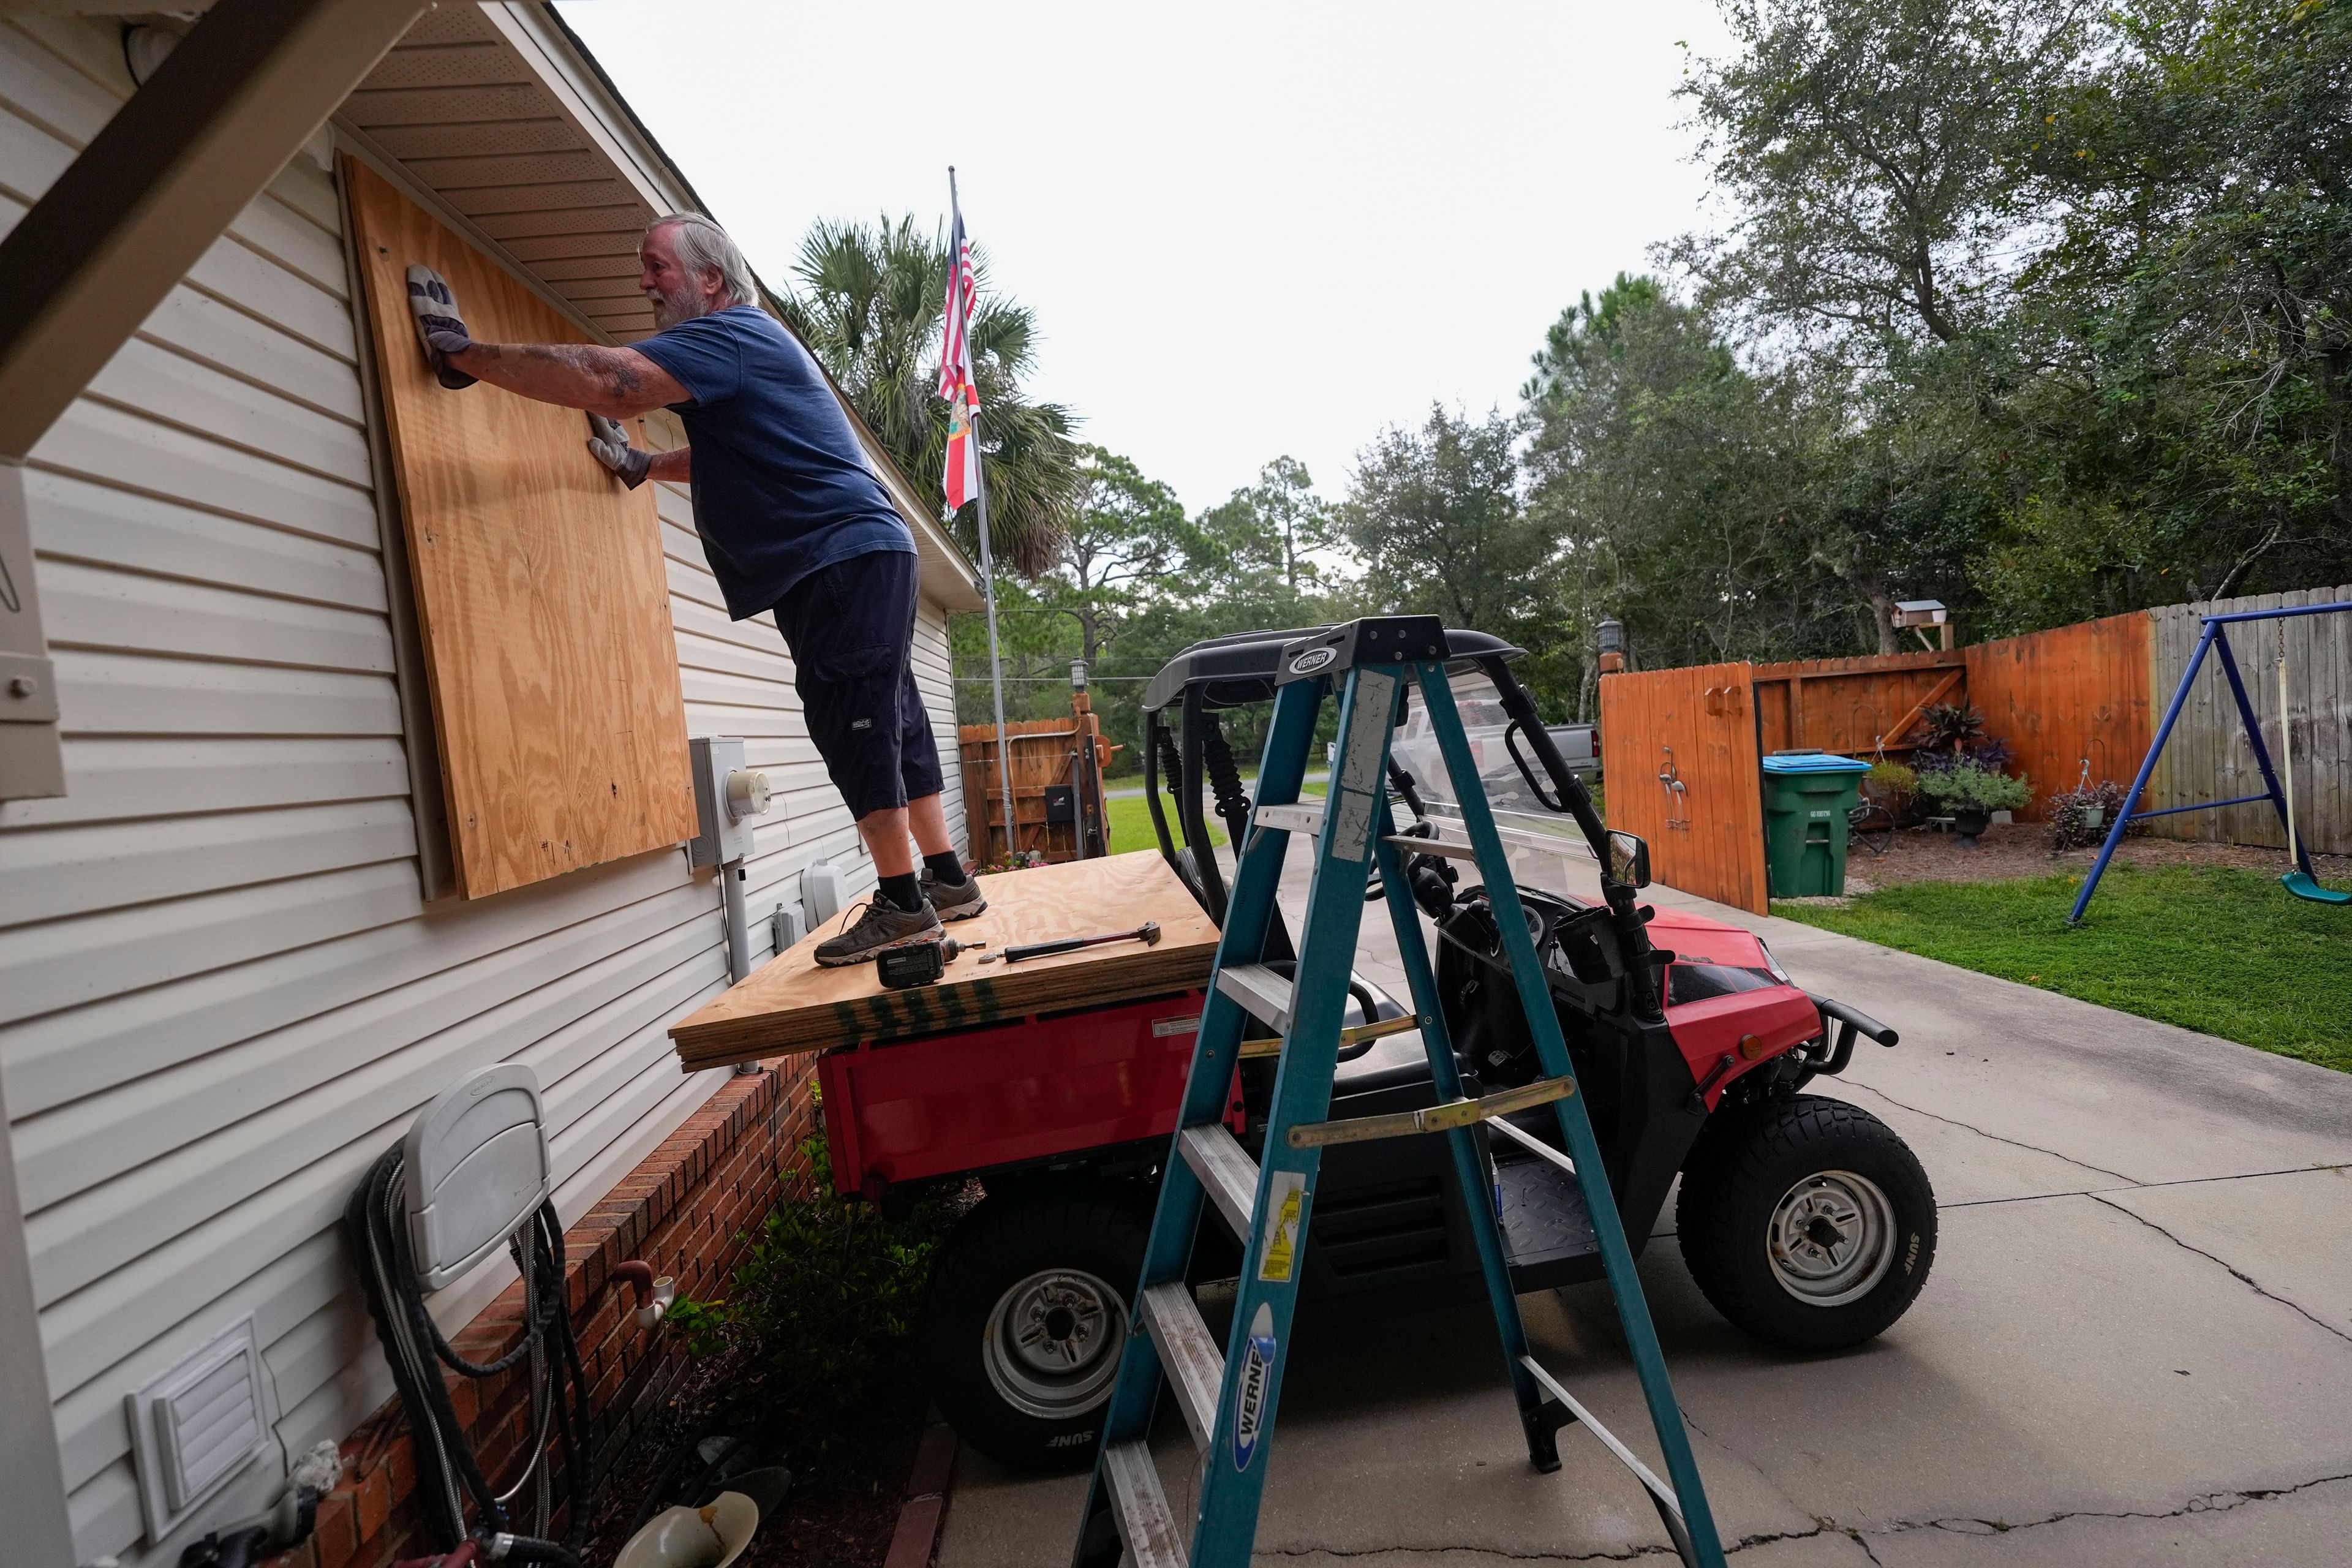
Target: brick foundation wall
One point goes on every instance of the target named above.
(685, 1210)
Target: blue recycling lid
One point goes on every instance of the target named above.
(1812, 763)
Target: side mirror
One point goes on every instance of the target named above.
(1629, 861)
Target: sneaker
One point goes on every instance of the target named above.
(958, 901)
(883, 925)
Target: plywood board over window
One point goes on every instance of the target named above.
(541, 591)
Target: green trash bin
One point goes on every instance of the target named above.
(1807, 795)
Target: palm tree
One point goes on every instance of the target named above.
(869, 306)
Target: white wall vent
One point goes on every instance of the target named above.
(198, 1425)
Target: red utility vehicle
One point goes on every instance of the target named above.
(1805, 1220)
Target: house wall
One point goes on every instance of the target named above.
(221, 994)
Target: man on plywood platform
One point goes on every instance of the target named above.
(793, 520)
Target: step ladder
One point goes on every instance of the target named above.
(1228, 1399)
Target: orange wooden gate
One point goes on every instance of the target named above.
(1057, 787)
(1681, 752)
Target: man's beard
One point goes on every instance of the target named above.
(670, 309)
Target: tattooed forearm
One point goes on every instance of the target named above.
(616, 382)
(608, 369)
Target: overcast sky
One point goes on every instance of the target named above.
(1246, 230)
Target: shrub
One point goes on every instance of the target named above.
(1948, 727)
(1970, 785)
(828, 1283)
(1952, 735)
(2068, 815)
(1991, 754)
(1016, 860)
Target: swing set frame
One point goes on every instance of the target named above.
(2215, 639)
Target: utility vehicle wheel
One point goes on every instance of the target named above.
(1807, 1222)
(1021, 1335)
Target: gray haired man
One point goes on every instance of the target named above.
(793, 520)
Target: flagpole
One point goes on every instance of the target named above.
(988, 592)
(996, 662)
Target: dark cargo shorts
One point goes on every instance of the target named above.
(851, 629)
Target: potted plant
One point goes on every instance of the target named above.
(2078, 818)
(1891, 784)
(1972, 793)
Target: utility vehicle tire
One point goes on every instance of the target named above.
(1027, 1313)
(1807, 1222)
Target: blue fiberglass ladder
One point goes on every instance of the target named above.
(1229, 1401)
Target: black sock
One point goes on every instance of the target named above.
(946, 869)
(902, 891)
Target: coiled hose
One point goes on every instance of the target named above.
(448, 1474)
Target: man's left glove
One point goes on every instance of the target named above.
(611, 445)
(438, 325)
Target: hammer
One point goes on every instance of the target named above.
(1147, 933)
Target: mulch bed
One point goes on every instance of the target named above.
(2007, 851)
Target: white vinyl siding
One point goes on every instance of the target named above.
(221, 996)
(935, 674)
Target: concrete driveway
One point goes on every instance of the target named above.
(2136, 1347)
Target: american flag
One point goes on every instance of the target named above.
(956, 384)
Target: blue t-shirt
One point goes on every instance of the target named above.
(782, 487)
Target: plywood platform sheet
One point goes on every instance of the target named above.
(792, 1005)
(540, 589)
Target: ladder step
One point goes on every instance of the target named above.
(1306, 817)
(1140, 1507)
(1262, 995)
(1444, 848)
(1225, 1170)
(1354, 1034)
(1195, 1367)
(1432, 1118)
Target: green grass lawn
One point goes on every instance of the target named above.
(2215, 949)
(1130, 820)
(1131, 824)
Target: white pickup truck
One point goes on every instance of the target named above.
(1483, 725)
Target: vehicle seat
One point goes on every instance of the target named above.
(1393, 1061)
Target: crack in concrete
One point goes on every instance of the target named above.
(2012, 1142)
(1628, 1554)
(2236, 1273)
(1957, 1524)
(2132, 1186)
(2204, 1502)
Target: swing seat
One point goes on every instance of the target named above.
(2301, 884)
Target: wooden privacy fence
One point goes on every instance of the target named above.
(1057, 791)
(1683, 774)
(2065, 697)
(2070, 698)
(2208, 757)
(1849, 705)
(2058, 698)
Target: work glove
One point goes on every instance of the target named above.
(438, 325)
(611, 445)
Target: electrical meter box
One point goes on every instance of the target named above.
(727, 796)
